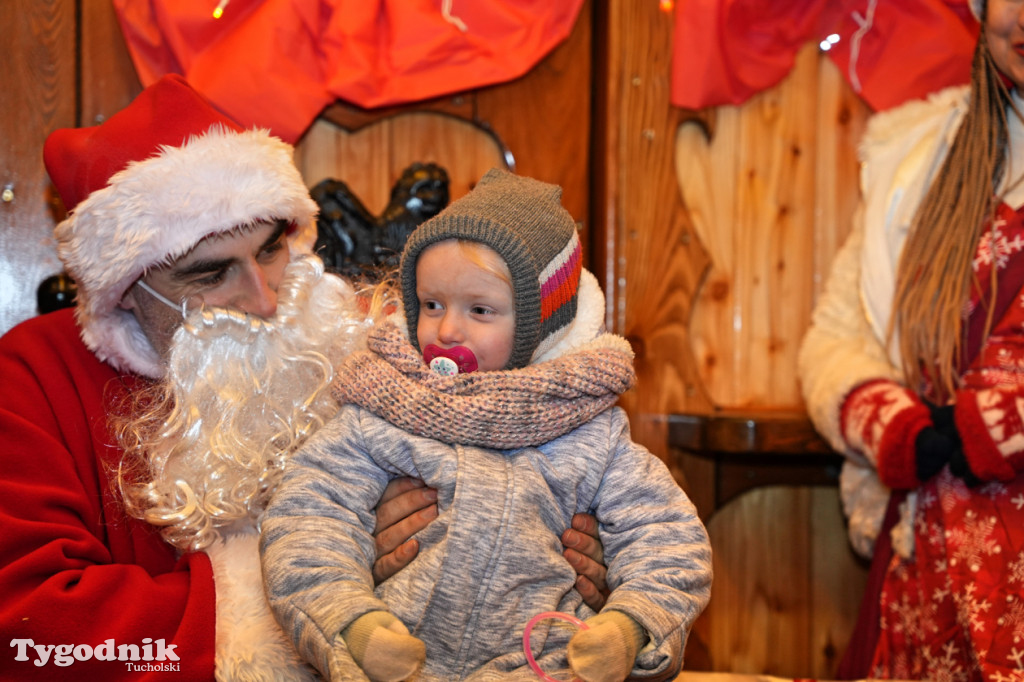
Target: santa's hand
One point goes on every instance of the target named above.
(406, 508)
(584, 552)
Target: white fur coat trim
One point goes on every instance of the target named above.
(839, 352)
(251, 646)
(901, 152)
(156, 210)
(845, 345)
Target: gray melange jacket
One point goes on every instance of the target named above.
(492, 559)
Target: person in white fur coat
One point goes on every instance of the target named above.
(144, 430)
(914, 369)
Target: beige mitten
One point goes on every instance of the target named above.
(606, 650)
(382, 646)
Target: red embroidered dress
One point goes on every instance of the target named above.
(956, 611)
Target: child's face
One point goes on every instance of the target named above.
(465, 301)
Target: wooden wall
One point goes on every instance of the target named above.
(717, 229)
(711, 231)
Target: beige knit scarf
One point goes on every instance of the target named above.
(503, 410)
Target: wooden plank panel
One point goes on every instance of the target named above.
(758, 619)
(708, 172)
(777, 249)
(787, 586)
(771, 198)
(544, 119)
(109, 82)
(654, 265)
(842, 117)
(371, 159)
(837, 578)
(38, 97)
(751, 189)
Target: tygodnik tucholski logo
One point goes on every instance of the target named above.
(149, 656)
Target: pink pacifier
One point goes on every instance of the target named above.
(526, 640)
(449, 361)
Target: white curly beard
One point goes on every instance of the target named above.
(241, 393)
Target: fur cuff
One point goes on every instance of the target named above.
(897, 461)
(250, 643)
(991, 431)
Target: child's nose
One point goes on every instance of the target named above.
(450, 330)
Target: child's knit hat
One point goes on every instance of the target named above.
(523, 220)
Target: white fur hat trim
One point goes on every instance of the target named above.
(158, 209)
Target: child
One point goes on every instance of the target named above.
(515, 428)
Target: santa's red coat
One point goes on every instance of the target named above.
(73, 569)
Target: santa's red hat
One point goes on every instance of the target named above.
(145, 186)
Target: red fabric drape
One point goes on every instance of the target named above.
(725, 51)
(278, 63)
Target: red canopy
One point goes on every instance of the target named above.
(278, 63)
(890, 51)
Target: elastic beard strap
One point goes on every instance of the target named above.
(181, 307)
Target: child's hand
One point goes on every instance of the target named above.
(405, 508)
(381, 645)
(584, 552)
(606, 650)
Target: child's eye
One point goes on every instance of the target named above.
(430, 305)
(481, 310)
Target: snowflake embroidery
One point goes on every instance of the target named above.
(928, 613)
(925, 498)
(970, 610)
(973, 540)
(1015, 570)
(937, 536)
(994, 490)
(953, 492)
(976, 615)
(1013, 618)
(869, 410)
(945, 667)
(906, 619)
(995, 247)
(1005, 370)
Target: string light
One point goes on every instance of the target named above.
(828, 42)
(666, 5)
(219, 11)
